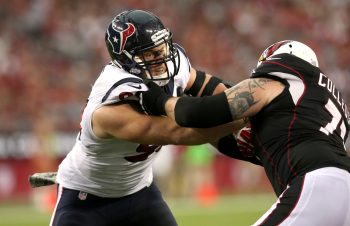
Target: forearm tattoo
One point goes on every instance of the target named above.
(240, 98)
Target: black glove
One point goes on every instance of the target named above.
(153, 100)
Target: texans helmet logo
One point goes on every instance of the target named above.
(118, 37)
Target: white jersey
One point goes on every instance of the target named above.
(113, 167)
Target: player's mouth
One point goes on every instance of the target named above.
(158, 69)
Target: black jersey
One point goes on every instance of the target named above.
(302, 129)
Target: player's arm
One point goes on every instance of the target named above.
(203, 84)
(123, 121)
(238, 145)
(241, 101)
(238, 102)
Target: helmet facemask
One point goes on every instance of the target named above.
(160, 61)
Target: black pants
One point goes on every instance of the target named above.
(144, 208)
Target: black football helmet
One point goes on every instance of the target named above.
(134, 33)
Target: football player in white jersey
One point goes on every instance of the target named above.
(106, 179)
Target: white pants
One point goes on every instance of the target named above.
(323, 200)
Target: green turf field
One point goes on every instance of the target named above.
(240, 210)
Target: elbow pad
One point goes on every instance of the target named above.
(203, 112)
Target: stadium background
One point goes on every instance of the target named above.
(51, 51)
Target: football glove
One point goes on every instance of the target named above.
(153, 100)
(244, 141)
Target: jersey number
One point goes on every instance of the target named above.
(145, 150)
(336, 118)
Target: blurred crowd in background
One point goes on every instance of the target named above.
(51, 51)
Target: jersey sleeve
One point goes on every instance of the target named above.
(125, 89)
(183, 76)
(116, 85)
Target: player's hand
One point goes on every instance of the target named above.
(153, 100)
(244, 141)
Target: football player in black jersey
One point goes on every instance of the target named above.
(299, 125)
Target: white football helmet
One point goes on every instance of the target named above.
(295, 48)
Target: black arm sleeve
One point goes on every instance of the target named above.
(228, 146)
(210, 86)
(197, 84)
(203, 112)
